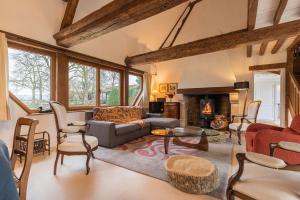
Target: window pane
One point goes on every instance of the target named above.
(110, 87)
(29, 77)
(82, 85)
(135, 87)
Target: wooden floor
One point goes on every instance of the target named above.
(105, 182)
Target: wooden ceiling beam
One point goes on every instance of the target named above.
(277, 17)
(267, 66)
(295, 42)
(278, 45)
(69, 14)
(115, 15)
(218, 43)
(263, 48)
(252, 13)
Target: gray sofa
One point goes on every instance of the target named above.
(111, 135)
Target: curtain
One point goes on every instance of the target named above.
(146, 89)
(4, 108)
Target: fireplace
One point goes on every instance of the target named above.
(202, 109)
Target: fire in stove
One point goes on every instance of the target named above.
(207, 109)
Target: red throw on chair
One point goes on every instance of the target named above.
(260, 136)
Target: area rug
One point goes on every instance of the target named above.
(146, 156)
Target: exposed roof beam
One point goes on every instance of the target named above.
(263, 48)
(267, 66)
(279, 12)
(278, 45)
(218, 43)
(252, 13)
(295, 42)
(69, 14)
(113, 16)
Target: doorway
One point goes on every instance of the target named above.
(267, 88)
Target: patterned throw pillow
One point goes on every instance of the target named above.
(118, 114)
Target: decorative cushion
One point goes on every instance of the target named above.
(292, 146)
(235, 126)
(264, 160)
(75, 143)
(265, 183)
(118, 114)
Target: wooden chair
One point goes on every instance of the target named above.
(22, 180)
(71, 138)
(264, 177)
(245, 120)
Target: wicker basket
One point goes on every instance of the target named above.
(192, 174)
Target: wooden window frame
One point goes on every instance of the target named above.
(98, 87)
(141, 90)
(35, 50)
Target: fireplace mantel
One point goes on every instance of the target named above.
(208, 90)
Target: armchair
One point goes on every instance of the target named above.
(245, 120)
(260, 136)
(265, 177)
(71, 138)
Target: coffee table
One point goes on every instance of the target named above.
(177, 133)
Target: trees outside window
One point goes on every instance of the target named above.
(29, 77)
(134, 88)
(82, 85)
(110, 88)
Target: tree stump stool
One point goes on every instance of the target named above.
(192, 174)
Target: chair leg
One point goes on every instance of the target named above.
(239, 136)
(55, 164)
(87, 163)
(23, 192)
(93, 156)
(230, 133)
(62, 159)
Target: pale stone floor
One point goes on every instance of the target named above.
(105, 182)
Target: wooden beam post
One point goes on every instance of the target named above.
(218, 43)
(69, 14)
(267, 66)
(252, 13)
(280, 9)
(113, 16)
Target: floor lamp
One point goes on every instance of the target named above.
(241, 86)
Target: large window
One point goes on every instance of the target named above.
(30, 77)
(134, 88)
(110, 88)
(82, 85)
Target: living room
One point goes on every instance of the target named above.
(149, 99)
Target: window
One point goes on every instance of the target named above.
(30, 77)
(110, 88)
(82, 85)
(134, 88)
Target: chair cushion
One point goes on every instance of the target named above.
(75, 144)
(163, 122)
(79, 123)
(264, 160)
(264, 183)
(123, 129)
(235, 126)
(292, 146)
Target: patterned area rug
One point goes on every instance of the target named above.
(146, 156)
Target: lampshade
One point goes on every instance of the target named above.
(243, 85)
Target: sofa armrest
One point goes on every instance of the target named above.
(254, 127)
(104, 131)
(152, 115)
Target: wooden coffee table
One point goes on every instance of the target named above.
(177, 133)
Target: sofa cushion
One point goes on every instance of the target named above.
(123, 129)
(163, 122)
(119, 114)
